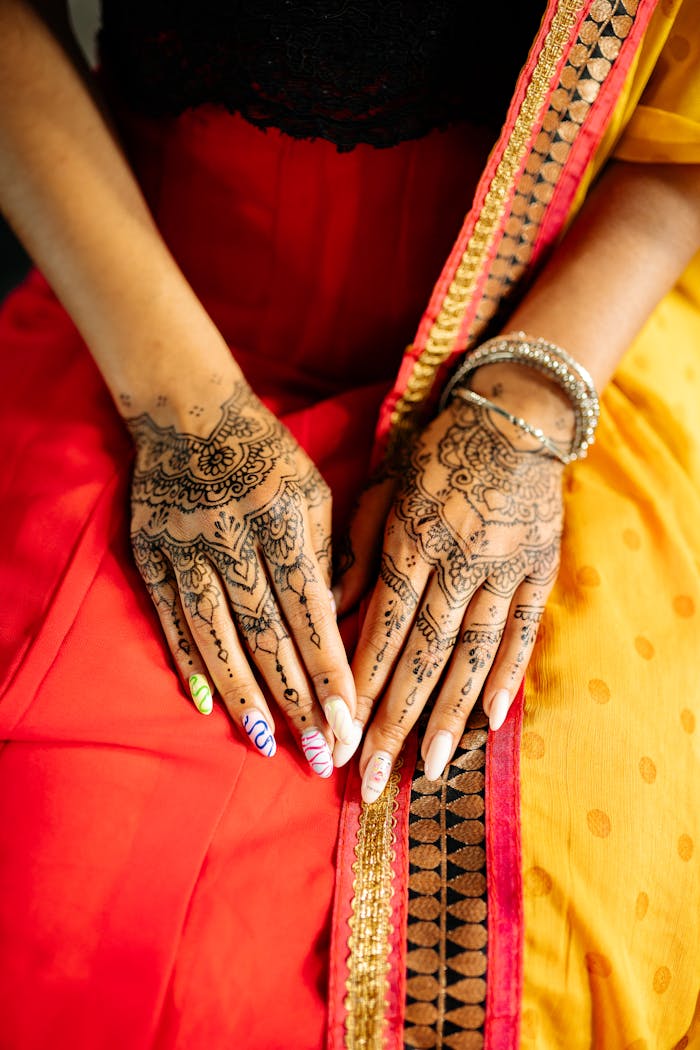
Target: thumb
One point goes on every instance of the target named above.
(357, 564)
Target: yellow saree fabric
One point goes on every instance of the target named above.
(610, 799)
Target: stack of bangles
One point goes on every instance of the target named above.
(553, 362)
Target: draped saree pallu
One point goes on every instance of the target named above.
(162, 887)
(428, 921)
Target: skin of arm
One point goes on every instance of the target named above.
(635, 235)
(209, 456)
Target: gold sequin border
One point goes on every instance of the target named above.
(370, 920)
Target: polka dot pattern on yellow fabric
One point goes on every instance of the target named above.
(679, 47)
(528, 1024)
(662, 979)
(641, 905)
(644, 647)
(684, 606)
(532, 745)
(647, 768)
(536, 882)
(599, 690)
(688, 720)
(686, 847)
(598, 823)
(631, 539)
(587, 576)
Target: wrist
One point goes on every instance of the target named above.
(529, 394)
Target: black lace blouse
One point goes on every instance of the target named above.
(351, 71)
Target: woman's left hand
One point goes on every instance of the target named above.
(471, 551)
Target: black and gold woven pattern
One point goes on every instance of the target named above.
(447, 907)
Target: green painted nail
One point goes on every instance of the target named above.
(201, 693)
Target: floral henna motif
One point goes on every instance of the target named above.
(218, 519)
(190, 472)
(499, 482)
(480, 511)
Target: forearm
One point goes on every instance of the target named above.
(68, 191)
(627, 248)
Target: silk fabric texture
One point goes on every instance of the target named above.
(164, 887)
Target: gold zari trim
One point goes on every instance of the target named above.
(370, 921)
(445, 329)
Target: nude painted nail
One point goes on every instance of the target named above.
(339, 718)
(317, 752)
(343, 752)
(376, 776)
(259, 732)
(498, 708)
(334, 605)
(200, 692)
(438, 754)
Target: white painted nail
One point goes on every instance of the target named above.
(438, 754)
(200, 691)
(317, 752)
(334, 606)
(343, 752)
(339, 718)
(261, 736)
(498, 708)
(376, 776)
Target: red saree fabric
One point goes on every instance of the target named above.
(162, 886)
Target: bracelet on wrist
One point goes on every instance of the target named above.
(553, 362)
(471, 396)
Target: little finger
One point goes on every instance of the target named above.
(503, 682)
(189, 664)
(209, 620)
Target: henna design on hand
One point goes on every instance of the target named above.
(398, 609)
(478, 510)
(440, 643)
(218, 519)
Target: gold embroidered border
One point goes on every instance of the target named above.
(370, 922)
(445, 328)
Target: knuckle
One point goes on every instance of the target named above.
(389, 736)
(363, 708)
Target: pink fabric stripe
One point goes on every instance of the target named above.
(342, 909)
(504, 884)
(446, 277)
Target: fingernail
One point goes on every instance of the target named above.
(339, 718)
(261, 736)
(376, 776)
(498, 708)
(343, 752)
(337, 592)
(317, 752)
(438, 754)
(334, 604)
(201, 694)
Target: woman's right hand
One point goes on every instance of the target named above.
(231, 531)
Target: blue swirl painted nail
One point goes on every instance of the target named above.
(260, 733)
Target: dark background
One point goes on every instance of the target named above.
(14, 262)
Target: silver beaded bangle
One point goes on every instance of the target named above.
(465, 394)
(553, 362)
